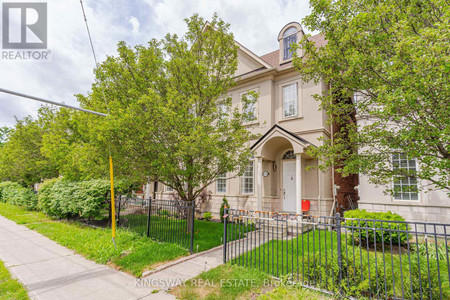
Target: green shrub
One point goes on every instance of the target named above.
(364, 236)
(164, 212)
(434, 251)
(45, 193)
(71, 199)
(384, 282)
(207, 216)
(14, 193)
(222, 207)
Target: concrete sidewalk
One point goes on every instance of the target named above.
(50, 271)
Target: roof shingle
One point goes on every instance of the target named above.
(273, 58)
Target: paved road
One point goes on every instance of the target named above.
(52, 272)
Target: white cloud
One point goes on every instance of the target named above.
(255, 24)
(135, 25)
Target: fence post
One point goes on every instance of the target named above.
(225, 217)
(191, 249)
(149, 214)
(339, 248)
(118, 209)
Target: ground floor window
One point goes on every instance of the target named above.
(221, 184)
(247, 182)
(405, 187)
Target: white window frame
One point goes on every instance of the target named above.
(221, 179)
(295, 84)
(168, 188)
(244, 177)
(289, 54)
(280, 104)
(394, 198)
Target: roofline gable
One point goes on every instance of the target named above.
(244, 49)
(252, 55)
(276, 127)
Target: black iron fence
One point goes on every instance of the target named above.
(169, 221)
(357, 258)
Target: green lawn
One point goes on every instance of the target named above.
(207, 234)
(312, 259)
(10, 289)
(134, 253)
(234, 282)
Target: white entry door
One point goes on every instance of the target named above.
(288, 192)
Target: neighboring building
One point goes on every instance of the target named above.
(415, 200)
(289, 121)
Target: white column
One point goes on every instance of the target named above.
(298, 182)
(259, 182)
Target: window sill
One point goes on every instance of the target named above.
(251, 123)
(406, 201)
(290, 119)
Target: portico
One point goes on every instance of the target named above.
(279, 170)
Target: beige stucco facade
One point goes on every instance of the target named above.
(267, 75)
(280, 184)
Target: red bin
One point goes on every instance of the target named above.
(306, 204)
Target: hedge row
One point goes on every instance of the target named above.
(68, 199)
(64, 199)
(14, 193)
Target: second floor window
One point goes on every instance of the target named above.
(221, 183)
(249, 108)
(290, 103)
(247, 180)
(405, 187)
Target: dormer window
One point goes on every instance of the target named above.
(290, 34)
(289, 38)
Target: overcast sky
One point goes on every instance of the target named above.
(255, 24)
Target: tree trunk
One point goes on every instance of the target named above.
(346, 194)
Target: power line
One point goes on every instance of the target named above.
(51, 102)
(93, 51)
(113, 206)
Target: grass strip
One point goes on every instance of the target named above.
(234, 282)
(10, 288)
(134, 254)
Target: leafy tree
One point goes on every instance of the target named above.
(395, 56)
(4, 132)
(21, 159)
(170, 119)
(68, 142)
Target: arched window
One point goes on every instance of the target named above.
(289, 155)
(290, 31)
(289, 38)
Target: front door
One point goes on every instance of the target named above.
(288, 192)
